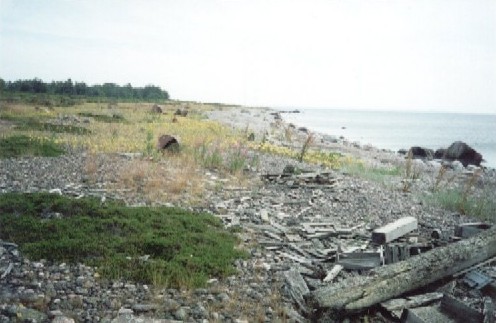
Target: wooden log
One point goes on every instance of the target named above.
(393, 280)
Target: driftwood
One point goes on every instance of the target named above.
(393, 280)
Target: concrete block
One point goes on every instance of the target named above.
(394, 230)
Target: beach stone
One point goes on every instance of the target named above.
(170, 305)
(181, 313)
(62, 319)
(144, 307)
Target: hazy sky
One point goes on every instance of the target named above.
(403, 54)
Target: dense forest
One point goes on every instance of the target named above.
(106, 90)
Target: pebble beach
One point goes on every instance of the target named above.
(273, 211)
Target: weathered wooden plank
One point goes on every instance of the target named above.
(394, 230)
(411, 302)
(488, 310)
(360, 260)
(297, 288)
(333, 273)
(429, 314)
(460, 310)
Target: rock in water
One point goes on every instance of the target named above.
(421, 152)
(439, 154)
(464, 153)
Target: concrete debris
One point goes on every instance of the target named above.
(394, 230)
(476, 279)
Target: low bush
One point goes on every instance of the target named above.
(20, 145)
(27, 123)
(162, 246)
(103, 117)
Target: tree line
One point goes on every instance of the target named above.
(68, 87)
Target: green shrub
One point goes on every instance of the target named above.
(20, 145)
(34, 124)
(114, 118)
(164, 246)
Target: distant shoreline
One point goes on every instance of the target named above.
(401, 130)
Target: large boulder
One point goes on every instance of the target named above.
(464, 153)
(439, 154)
(421, 152)
(168, 143)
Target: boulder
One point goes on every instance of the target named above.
(402, 151)
(421, 152)
(181, 113)
(156, 109)
(439, 154)
(464, 153)
(167, 142)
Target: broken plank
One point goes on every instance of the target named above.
(300, 251)
(394, 230)
(412, 301)
(297, 288)
(360, 260)
(279, 227)
(488, 310)
(296, 258)
(333, 273)
(273, 236)
(466, 230)
(428, 314)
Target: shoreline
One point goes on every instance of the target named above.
(348, 130)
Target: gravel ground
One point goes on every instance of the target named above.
(42, 291)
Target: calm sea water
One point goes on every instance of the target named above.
(396, 130)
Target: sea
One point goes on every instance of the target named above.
(402, 130)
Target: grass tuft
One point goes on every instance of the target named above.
(482, 207)
(163, 246)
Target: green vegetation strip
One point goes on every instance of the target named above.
(457, 200)
(160, 246)
(30, 123)
(103, 118)
(19, 145)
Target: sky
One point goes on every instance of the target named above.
(426, 55)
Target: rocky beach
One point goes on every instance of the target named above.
(297, 220)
